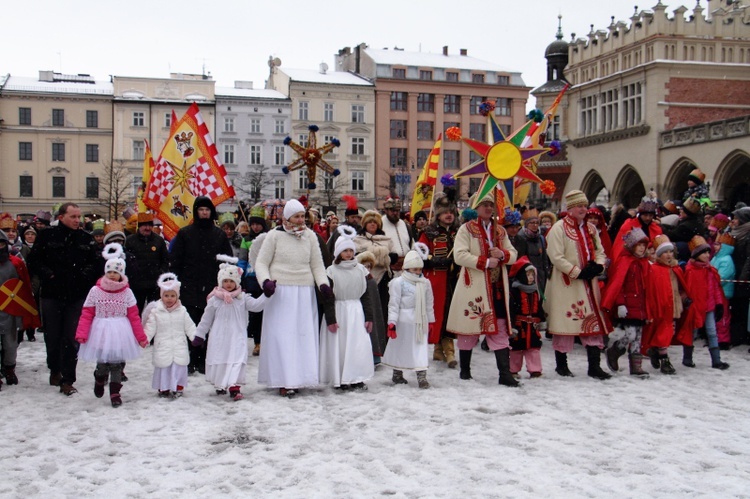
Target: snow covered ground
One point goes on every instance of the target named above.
(670, 436)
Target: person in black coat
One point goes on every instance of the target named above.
(193, 259)
(152, 258)
(65, 259)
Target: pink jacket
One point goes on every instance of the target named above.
(109, 299)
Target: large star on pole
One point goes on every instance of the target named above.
(501, 158)
(311, 156)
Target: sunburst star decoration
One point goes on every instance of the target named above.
(311, 157)
(502, 159)
(181, 176)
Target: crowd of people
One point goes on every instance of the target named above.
(326, 303)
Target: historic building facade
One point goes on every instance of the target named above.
(653, 99)
(418, 96)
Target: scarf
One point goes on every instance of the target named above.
(111, 286)
(348, 264)
(526, 288)
(420, 303)
(225, 295)
(295, 230)
(741, 232)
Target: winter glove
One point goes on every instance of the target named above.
(622, 311)
(368, 326)
(392, 331)
(718, 313)
(326, 291)
(198, 342)
(269, 287)
(332, 328)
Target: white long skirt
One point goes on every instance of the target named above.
(405, 352)
(224, 376)
(111, 340)
(289, 355)
(168, 378)
(346, 355)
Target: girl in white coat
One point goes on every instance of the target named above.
(225, 318)
(168, 323)
(410, 314)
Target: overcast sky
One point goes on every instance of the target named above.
(233, 39)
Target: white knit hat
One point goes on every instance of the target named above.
(412, 260)
(292, 207)
(345, 240)
(168, 282)
(114, 254)
(229, 269)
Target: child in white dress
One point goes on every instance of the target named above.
(168, 323)
(410, 314)
(225, 318)
(345, 347)
(110, 329)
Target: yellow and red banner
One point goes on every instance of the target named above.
(188, 166)
(425, 186)
(148, 169)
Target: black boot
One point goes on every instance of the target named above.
(561, 359)
(716, 362)
(114, 394)
(10, 375)
(464, 360)
(654, 357)
(595, 370)
(687, 356)
(502, 357)
(665, 366)
(614, 352)
(99, 383)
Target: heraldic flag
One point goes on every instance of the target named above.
(148, 169)
(425, 186)
(188, 166)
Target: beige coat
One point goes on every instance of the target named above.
(572, 305)
(472, 311)
(381, 246)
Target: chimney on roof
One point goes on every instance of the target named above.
(46, 76)
(464, 52)
(243, 84)
(445, 49)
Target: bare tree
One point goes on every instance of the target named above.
(389, 178)
(328, 195)
(115, 189)
(252, 183)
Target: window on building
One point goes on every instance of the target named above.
(24, 116)
(92, 119)
(167, 120)
(554, 129)
(398, 157)
(452, 104)
(303, 138)
(139, 118)
(58, 117)
(477, 78)
(358, 113)
(139, 150)
(503, 80)
(425, 130)
(278, 189)
(328, 111)
(255, 125)
(425, 75)
(279, 155)
(92, 188)
(588, 119)
(631, 104)
(58, 187)
(474, 104)
(255, 154)
(609, 109)
(229, 124)
(505, 129)
(426, 103)
(451, 159)
(92, 153)
(398, 101)
(328, 180)
(279, 127)
(399, 73)
(24, 151)
(478, 131)
(358, 181)
(473, 157)
(302, 179)
(422, 156)
(58, 152)
(358, 146)
(26, 186)
(502, 107)
(327, 139)
(451, 76)
(474, 184)
(398, 129)
(229, 154)
(303, 110)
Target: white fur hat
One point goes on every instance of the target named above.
(114, 254)
(292, 207)
(229, 269)
(345, 240)
(412, 260)
(168, 282)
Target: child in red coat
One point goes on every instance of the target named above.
(625, 300)
(704, 286)
(527, 319)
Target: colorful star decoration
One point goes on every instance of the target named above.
(181, 176)
(311, 157)
(502, 159)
